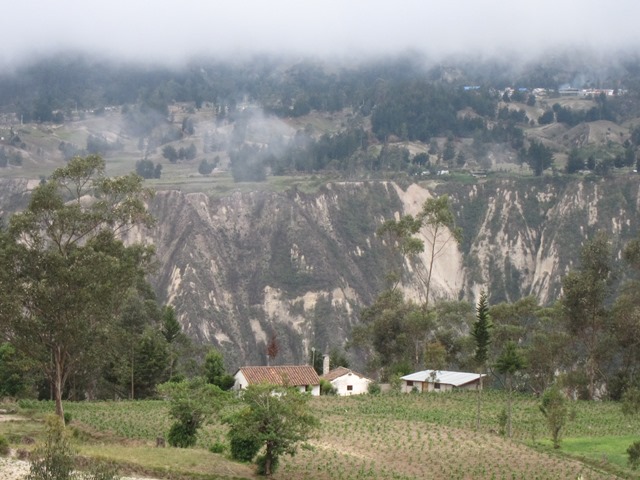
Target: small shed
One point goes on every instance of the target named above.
(347, 382)
(440, 381)
(303, 377)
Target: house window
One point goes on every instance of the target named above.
(436, 386)
(349, 388)
(409, 383)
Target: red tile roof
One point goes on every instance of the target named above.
(289, 375)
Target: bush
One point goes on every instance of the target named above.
(374, 388)
(67, 418)
(54, 459)
(326, 388)
(634, 455)
(243, 449)
(4, 446)
(182, 435)
(218, 447)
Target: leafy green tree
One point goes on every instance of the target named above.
(65, 269)
(437, 222)
(277, 418)
(626, 323)
(547, 350)
(546, 118)
(554, 408)
(437, 216)
(170, 153)
(147, 169)
(509, 363)
(449, 152)
(215, 372)
(402, 232)
(585, 295)
(14, 373)
(151, 365)
(574, 163)
(481, 333)
(538, 156)
(385, 332)
(191, 402)
(631, 402)
(205, 168)
(176, 340)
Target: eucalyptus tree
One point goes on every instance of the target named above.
(66, 269)
(585, 295)
(508, 363)
(436, 222)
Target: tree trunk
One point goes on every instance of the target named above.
(479, 401)
(132, 378)
(58, 383)
(431, 261)
(268, 460)
(509, 389)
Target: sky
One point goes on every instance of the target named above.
(174, 30)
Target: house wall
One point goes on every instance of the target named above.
(430, 387)
(359, 385)
(241, 381)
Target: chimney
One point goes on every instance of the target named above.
(325, 364)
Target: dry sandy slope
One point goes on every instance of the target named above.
(14, 469)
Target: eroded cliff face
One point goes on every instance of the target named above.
(300, 266)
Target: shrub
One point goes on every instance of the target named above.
(502, 421)
(326, 388)
(54, 459)
(634, 455)
(218, 447)
(182, 435)
(67, 418)
(374, 388)
(243, 449)
(4, 446)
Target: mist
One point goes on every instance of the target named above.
(163, 31)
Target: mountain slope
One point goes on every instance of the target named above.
(299, 266)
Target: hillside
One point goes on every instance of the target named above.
(268, 202)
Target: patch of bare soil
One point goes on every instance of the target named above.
(13, 469)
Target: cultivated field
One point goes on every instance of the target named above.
(382, 437)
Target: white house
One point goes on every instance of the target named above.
(440, 381)
(303, 377)
(347, 382)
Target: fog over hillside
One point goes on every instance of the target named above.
(171, 31)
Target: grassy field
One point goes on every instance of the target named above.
(383, 437)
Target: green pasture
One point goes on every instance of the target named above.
(389, 436)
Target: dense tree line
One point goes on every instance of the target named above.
(77, 317)
(400, 91)
(588, 340)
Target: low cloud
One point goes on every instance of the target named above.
(171, 31)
